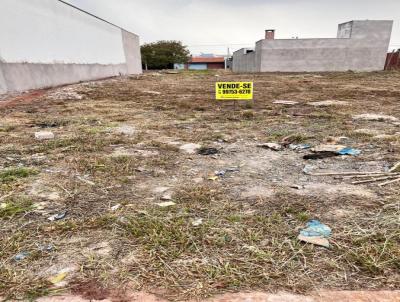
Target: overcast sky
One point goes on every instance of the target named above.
(210, 26)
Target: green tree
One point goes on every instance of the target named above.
(163, 54)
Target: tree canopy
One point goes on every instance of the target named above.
(163, 54)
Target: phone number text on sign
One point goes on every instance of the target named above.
(234, 90)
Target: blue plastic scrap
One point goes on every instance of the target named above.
(21, 256)
(316, 229)
(350, 151)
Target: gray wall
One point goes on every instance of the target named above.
(45, 43)
(360, 46)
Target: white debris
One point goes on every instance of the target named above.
(375, 117)
(152, 92)
(285, 102)
(328, 148)
(190, 148)
(328, 103)
(44, 135)
(116, 207)
(125, 130)
(166, 204)
(197, 222)
(272, 146)
(166, 197)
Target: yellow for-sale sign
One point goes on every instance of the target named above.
(234, 90)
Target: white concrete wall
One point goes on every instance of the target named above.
(48, 37)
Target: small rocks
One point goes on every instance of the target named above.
(190, 148)
(44, 135)
(375, 117)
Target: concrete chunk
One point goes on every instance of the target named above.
(44, 135)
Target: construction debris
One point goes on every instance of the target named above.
(285, 102)
(44, 135)
(328, 103)
(375, 117)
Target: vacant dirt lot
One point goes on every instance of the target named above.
(137, 212)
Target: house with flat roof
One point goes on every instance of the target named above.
(359, 46)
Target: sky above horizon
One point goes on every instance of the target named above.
(211, 26)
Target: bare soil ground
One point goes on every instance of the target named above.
(116, 154)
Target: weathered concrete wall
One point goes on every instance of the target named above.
(132, 52)
(45, 43)
(247, 62)
(360, 46)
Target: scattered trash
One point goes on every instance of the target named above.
(3, 205)
(326, 151)
(297, 187)
(190, 148)
(316, 233)
(44, 135)
(197, 222)
(46, 248)
(299, 147)
(59, 216)
(208, 151)
(350, 151)
(319, 155)
(166, 197)
(116, 207)
(272, 146)
(375, 117)
(285, 102)
(58, 278)
(222, 173)
(213, 178)
(21, 256)
(166, 204)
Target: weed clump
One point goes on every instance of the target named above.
(13, 174)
